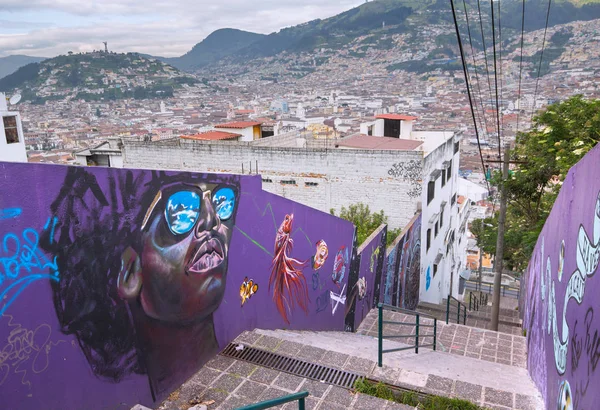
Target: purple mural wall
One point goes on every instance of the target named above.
(364, 294)
(561, 307)
(117, 285)
(402, 275)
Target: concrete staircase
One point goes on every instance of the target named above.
(487, 368)
(509, 320)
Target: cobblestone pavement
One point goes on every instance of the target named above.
(456, 339)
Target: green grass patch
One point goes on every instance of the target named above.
(413, 399)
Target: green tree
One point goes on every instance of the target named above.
(561, 135)
(366, 221)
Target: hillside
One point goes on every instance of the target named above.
(95, 76)
(10, 64)
(388, 17)
(217, 45)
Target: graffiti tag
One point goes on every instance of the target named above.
(22, 263)
(322, 301)
(588, 256)
(26, 350)
(411, 172)
(337, 299)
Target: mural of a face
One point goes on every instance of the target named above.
(181, 272)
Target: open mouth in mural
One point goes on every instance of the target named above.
(208, 256)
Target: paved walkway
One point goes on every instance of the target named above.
(234, 383)
(457, 339)
(471, 363)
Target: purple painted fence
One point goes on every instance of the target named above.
(402, 275)
(117, 285)
(563, 328)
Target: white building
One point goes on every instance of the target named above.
(441, 225)
(106, 154)
(249, 130)
(12, 141)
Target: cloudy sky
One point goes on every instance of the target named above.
(167, 28)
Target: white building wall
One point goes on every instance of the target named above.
(344, 177)
(435, 287)
(116, 161)
(15, 152)
(247, 133)
(378, 130)
(406, 129)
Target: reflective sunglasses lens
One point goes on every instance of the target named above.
(224, 203)
(183, 209)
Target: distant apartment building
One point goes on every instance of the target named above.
(12, 140)
(395, 169)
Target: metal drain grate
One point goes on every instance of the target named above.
(329, 375)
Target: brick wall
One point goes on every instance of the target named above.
(344, 177)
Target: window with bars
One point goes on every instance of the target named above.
(288, 182)
(10, 129)
(430, 191)
(428, 238)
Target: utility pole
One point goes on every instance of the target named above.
(500, 241)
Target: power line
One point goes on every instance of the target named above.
(487, 70)
(521, 64)
(501, 68)
(475, 67)
(537, 81)
(496, 75)
(464, 63)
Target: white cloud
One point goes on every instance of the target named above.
(166, 28)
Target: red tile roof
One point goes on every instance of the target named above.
(238, 124)
(379, 143)
(396, 117)
(212, 136)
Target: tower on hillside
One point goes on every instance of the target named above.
(105, 46)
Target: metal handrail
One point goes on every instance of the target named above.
(381, 336)
(408, 312)
(458, 312)
(300, 396)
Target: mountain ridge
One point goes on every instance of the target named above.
(12, 63)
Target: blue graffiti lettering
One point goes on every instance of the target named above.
(428, 278)
(22, 263)
(10, 213)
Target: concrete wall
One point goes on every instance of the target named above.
(561, 305)
(402, 271)
(116, 285)
(344, 177)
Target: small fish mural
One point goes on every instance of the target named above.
(288, 281)
(247, 289)
(339, 266)
(321, 255)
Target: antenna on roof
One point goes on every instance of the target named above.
(105, 46)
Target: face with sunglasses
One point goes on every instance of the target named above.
(181, 271)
